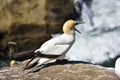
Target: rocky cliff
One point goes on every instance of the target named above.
(29, 23)
(59, 72)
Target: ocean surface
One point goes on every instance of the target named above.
(98, 44)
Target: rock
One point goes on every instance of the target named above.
(60, 72)
(50, 13)
(30, 22)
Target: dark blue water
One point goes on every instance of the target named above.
(4, 63)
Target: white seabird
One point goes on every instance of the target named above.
(116, 70)
(55, 48)
(117, 67)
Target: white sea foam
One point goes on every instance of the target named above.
(101, 42)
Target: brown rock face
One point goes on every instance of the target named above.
(60, 72)
(30, 22)
(58, 12)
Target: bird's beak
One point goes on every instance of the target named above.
(77, 22)
(77, 30)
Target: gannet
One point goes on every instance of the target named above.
(116, 70)
(117, 67)
(55, 48)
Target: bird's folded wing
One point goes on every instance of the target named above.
(56, 46)
(56, 49)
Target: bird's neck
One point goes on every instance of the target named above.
(74, 35)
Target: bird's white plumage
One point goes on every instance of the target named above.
(58, 45)
(117, 67)
(116, 70)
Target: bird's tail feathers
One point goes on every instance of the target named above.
(39, 60)
(32, 62)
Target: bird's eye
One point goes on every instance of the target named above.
(71, 28)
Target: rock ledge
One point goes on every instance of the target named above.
(59, 72)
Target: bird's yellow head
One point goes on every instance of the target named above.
(69, 26)
(12, 63)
